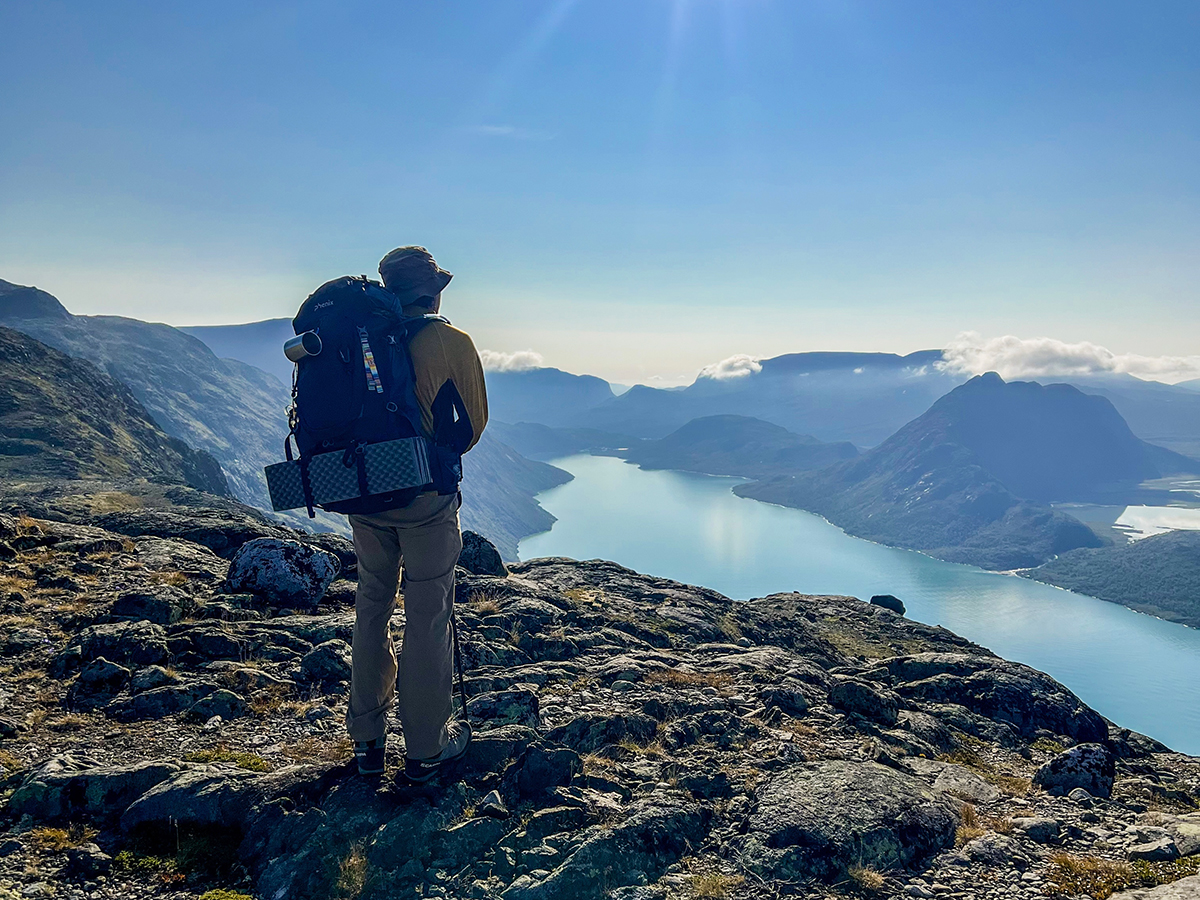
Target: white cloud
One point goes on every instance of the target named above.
(736, 366)
(520, 361)
(1012, 357)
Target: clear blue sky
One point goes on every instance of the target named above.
(629, 187)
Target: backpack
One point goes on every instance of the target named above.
(359, 388)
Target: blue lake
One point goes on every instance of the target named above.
(1141, 672)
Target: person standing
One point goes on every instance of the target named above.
(422, 538)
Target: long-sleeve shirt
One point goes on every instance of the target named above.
(447, 368)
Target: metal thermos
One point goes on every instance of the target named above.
(302, 345)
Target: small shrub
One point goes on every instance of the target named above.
(9, 762)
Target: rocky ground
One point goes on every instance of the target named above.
(172, 728)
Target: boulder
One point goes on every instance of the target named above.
(480, 557)
(68, 787)
(965, 784)
(165, 606)
(589, 732)
(130, 644)
(817, 820)
(542, 767)
(637, 849)
(1004, 692)
(1039, 829)
(151, 677)
(514, 707)
(161, 701)
(1183, 889)
(1087, 766)
(326, 664)
(282, 572)
(97, 684)
(214, 795)
(87, 861)
(1162, 849)
(223, 703)
(22, 640)
(887, 601)
(867, 700)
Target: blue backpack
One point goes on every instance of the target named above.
(360, 387)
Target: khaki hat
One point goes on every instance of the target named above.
(411, 273)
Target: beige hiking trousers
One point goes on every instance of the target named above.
(423, 536)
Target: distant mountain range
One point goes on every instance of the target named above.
(737, 445)
(857, 397)
(61, 418)
(967, 480)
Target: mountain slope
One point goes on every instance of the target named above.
(1159, 575)
(60, 418)
(932, 486)
(225, 407)
(737, 445)
(259, 344)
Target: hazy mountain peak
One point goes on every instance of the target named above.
(20, 302)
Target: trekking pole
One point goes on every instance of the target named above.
(462, 691)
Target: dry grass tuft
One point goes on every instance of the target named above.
(679, 678)
(484, 603)
(584, 596)
(1070, 875)
(314, 750)
(866, 878)
(56, 840)
(970, 828)
(173, 579)
(352, 876)
(9, 762)
(715, 885)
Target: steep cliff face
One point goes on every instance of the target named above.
(634, 737)
(61, 418)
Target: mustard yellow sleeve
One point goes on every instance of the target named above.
(467, 374)
(442, 354)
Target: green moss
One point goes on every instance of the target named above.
(243, 760)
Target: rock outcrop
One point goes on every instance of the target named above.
(634, 738)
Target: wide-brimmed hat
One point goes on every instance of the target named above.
(411, 273)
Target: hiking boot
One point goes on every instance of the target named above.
(370, 755)
(418, 771)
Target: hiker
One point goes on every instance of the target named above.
(424, 537)
(387, 396)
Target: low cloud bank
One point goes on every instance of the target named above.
(520, 361)
(1013, 357)
(737, 366)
